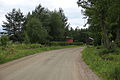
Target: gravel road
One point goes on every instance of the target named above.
(62, 64)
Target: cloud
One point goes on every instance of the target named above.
(70, 8)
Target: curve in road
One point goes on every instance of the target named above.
(62, 64)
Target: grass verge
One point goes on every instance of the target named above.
(18, 51)
(106, 66)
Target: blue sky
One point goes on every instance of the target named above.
(70, 8)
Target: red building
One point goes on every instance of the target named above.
(69, 39)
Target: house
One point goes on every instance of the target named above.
(69, 39)
(89, 41)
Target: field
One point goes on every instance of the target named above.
(106, 66)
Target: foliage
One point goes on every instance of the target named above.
(105, 66)
(65, 22)
(43, 14)
(118, 43)
(4, 40)
(41, 26)
(16, 51)
(103, 19)
(14, 25)
(26, 38)
(35, 31)
(113, 74)
(64, 43)
(56, 27)
(81, 35)
(54, 22)
(25, 46)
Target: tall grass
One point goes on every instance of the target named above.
(106, 66)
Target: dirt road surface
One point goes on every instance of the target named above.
(62, 64)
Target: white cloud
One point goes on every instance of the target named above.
(70, 8)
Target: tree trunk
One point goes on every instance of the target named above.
(106, 40)
(105, 35)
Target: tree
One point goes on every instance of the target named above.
(65, 22)
(55, 22)
(113, 20)
(36, 33)
(43, 15)
(56, 27)
(14, 25)
(100, 14)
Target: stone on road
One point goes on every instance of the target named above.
(62, 64)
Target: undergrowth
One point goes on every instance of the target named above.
(15, 51)
(105, 64)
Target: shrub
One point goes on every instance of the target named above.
(106, 66)
(106, 51)
(4, 40)
(103, 52)
(107, 57)
(26, 46)
(26, 39)
(1, 59)
(11, 51)
(99, 47)
(33, 46)
(64, 43)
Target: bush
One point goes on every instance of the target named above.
(1, 59)
(26, 46)
(107, 57)
(4, 40)
(64, 43)
(11, 51)
(106, 51)
(26, 39)
(99, 47)
(33, 46)
(103, 52)
(35, 32)
(106, 66)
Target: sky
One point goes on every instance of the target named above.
(70, 7)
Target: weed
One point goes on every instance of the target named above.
(115, 75)
(103, 65)
(15, 51)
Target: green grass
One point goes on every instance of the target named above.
(106, 66)
(16, 51)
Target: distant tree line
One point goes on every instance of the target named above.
(40, 26)
(103, 17)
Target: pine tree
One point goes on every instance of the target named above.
(14, 24)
